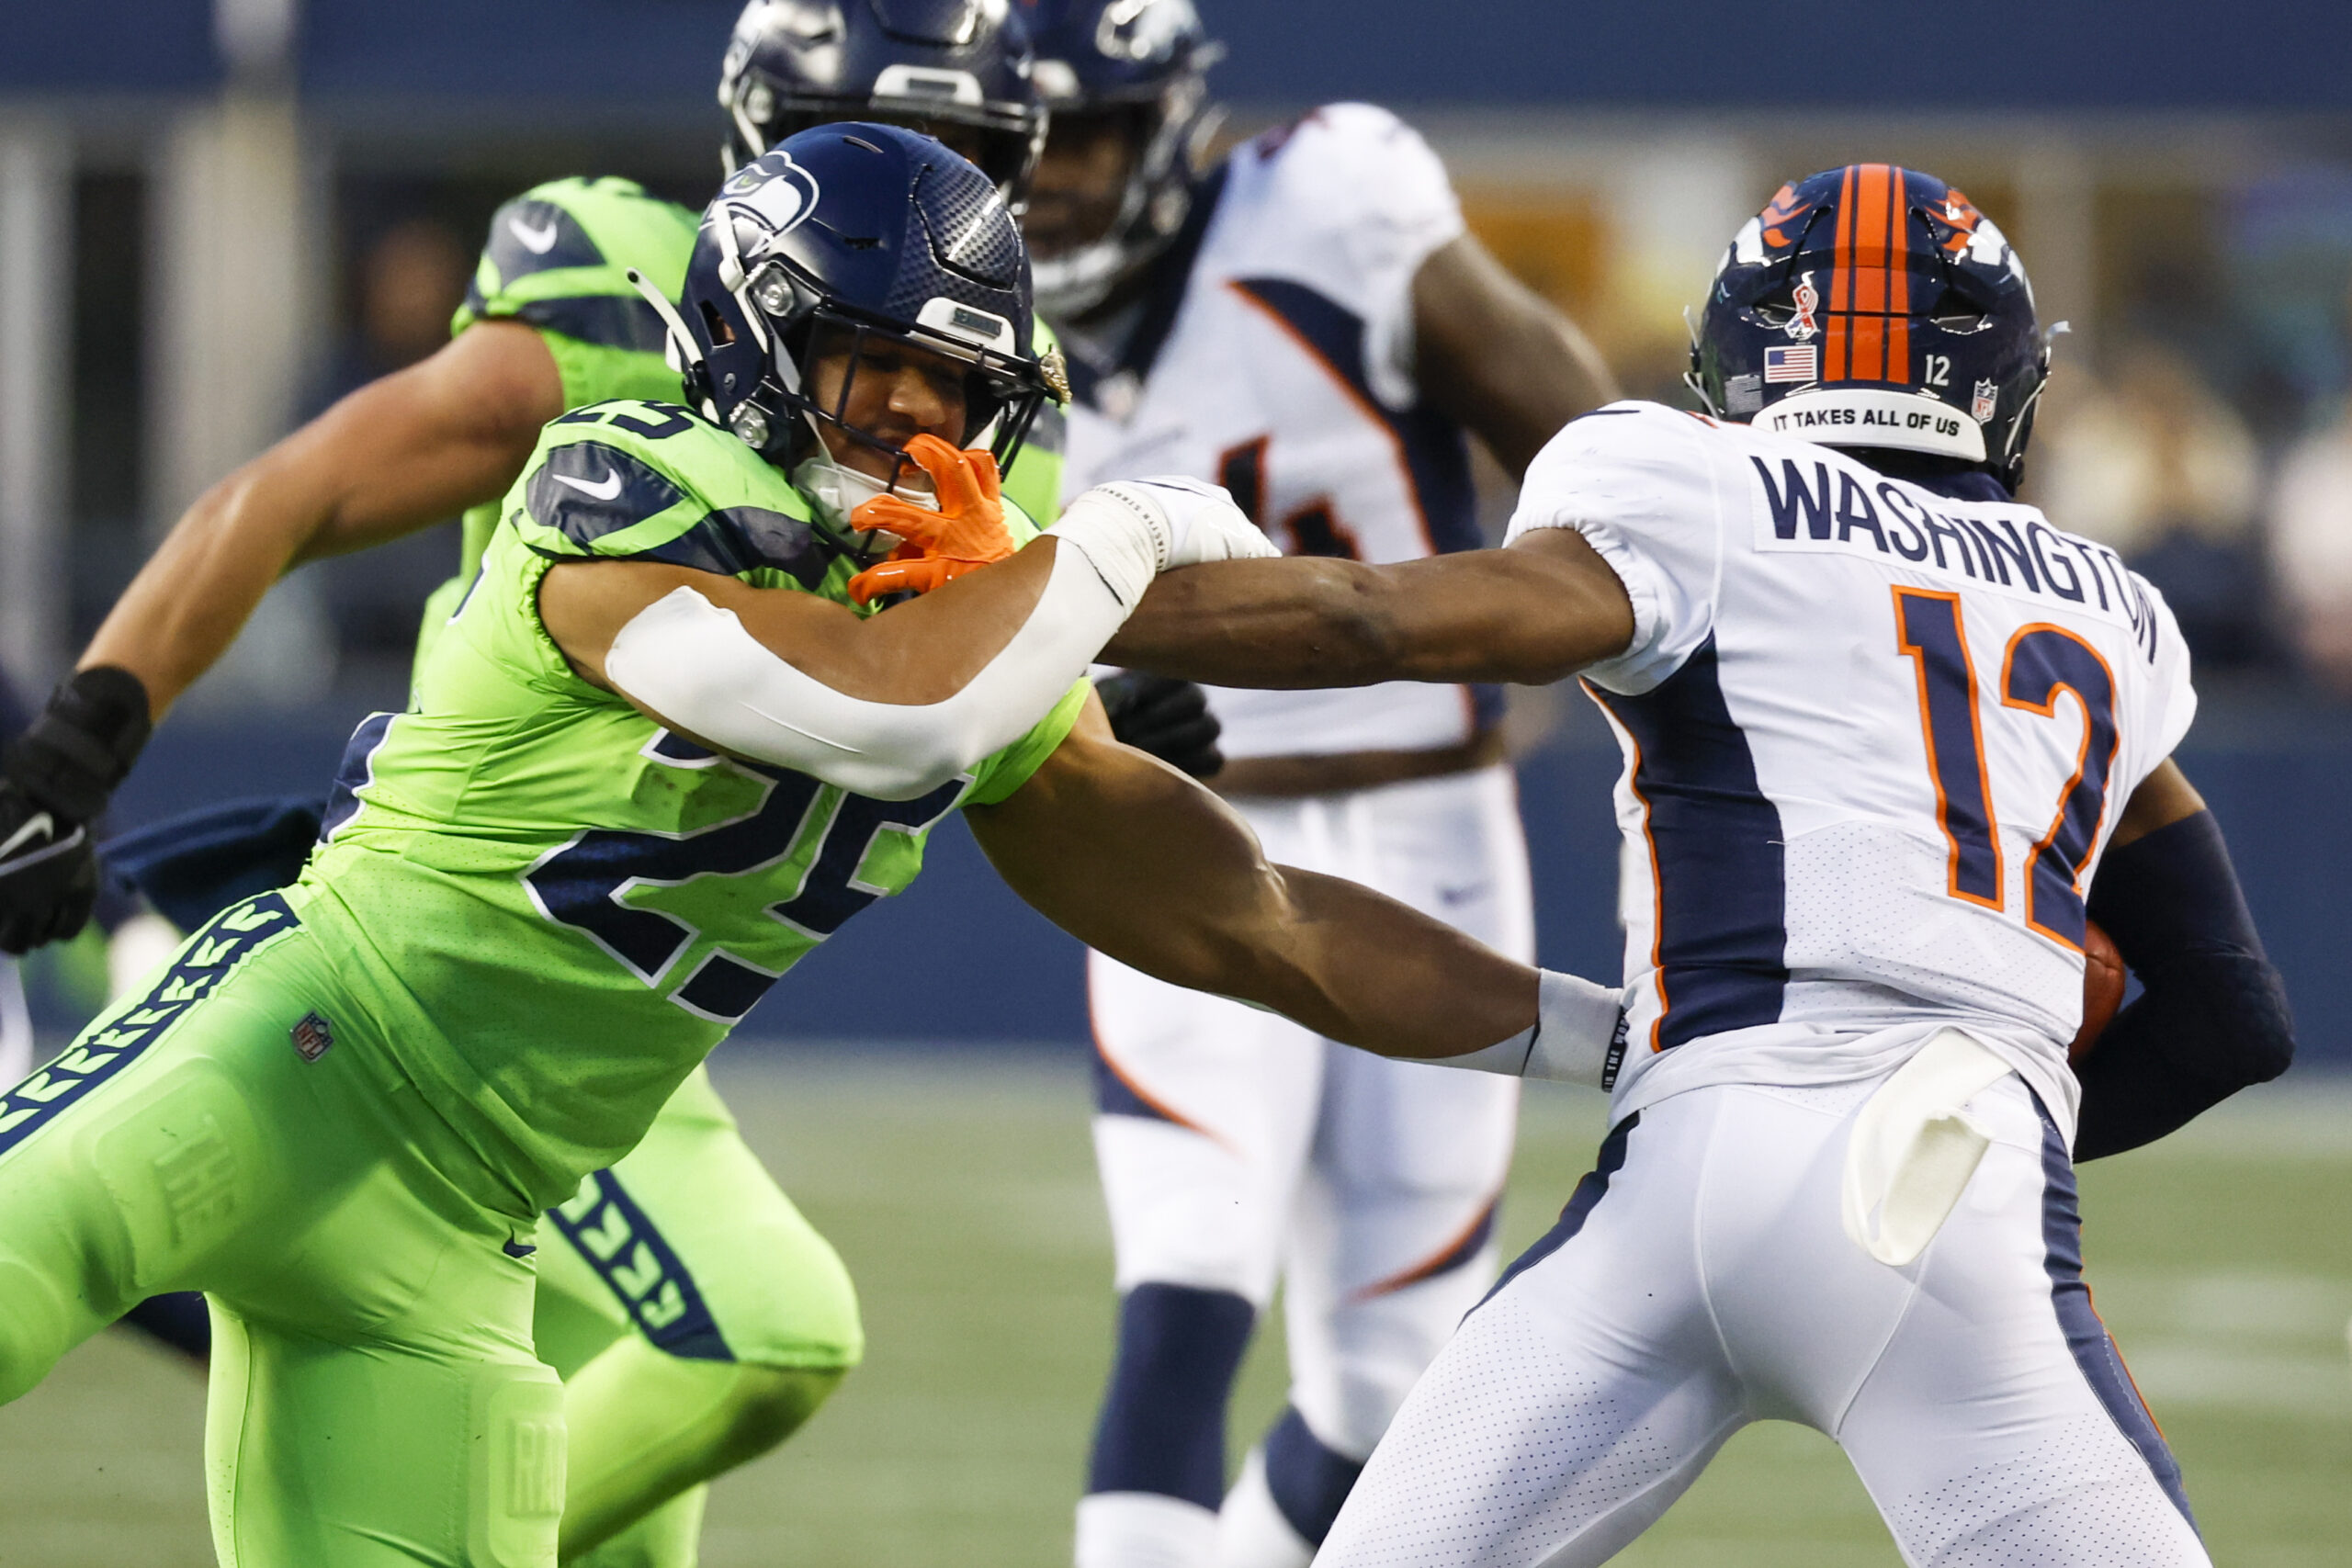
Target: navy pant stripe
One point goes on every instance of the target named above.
(2086, 1337)
(630, 1253)
(1581, 1202)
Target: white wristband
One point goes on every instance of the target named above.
(1119, 538)
(1579, 1037)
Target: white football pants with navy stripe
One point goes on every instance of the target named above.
(1700, 1279)
(1236, 1147)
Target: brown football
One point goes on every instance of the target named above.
(2102, 988)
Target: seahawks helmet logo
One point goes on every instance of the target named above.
(1143, 30)
(772, 195)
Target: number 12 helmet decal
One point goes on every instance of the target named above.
(1874, 306)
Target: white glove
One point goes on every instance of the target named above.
(1132, 530)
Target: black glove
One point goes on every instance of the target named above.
(54, 781)
(1168, 717)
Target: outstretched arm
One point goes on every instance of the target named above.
(895, 705)
(1140, 863)
(1540, 609)
(398, 455)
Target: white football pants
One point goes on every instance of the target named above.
(1700, 1279)
(1248, 1149)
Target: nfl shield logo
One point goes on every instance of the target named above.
(1988, 396)
(311, 1037)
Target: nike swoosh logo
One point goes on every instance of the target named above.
(1452, 897)
(516, 1249)
(41, 822)
(607, 488)
(538, 241)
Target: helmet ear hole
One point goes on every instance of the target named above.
(721, 332)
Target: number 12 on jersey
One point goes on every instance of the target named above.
(2041, 661)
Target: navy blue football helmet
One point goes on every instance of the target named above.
(927, 64)
(1147, 61)
(1875, 307)
(843, 237)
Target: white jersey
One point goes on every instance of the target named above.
(1875, 739)
(1272, 354)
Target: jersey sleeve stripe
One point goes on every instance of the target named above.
(590, 499)
(607, 321)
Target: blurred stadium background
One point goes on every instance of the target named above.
(218, 215)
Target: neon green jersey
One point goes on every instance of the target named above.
(553, 907)
(557, 259)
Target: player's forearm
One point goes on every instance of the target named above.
(401, 453)
(187, 604)
(1362, 969)
(1530, 615)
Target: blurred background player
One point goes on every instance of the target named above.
(658, 1399)
(1882, 727)
(1308, 324)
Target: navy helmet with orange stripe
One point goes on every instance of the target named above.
(1873, 306)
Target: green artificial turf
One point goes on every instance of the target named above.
(961, 1190)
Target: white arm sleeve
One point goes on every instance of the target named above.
(692, 663)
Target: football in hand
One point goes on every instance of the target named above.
(2102, 988)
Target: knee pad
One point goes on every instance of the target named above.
(518, 1467)
(1162, 1427)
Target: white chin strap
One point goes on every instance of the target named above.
(837, 491)
(1875, 416)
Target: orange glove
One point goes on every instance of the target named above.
(965, 533)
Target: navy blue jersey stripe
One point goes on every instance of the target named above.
(587, 491)
(2086, 1337)
(628, 1252)
(746, 538)
(607, 321)
(1722, 874)
(1437, 453)
(355, 772)
(528, 235)
(1580, 1204)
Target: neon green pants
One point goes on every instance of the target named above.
(697, 1318)
(375, 1402)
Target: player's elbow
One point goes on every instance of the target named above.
(2264, 1031)
(2249, 1032)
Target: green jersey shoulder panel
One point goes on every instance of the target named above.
(558, 255)
(633, 480)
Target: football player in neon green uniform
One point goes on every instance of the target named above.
(675, 1374)
(341, 1109)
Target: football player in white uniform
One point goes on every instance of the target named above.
(1881, 725)
(1304, 323)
